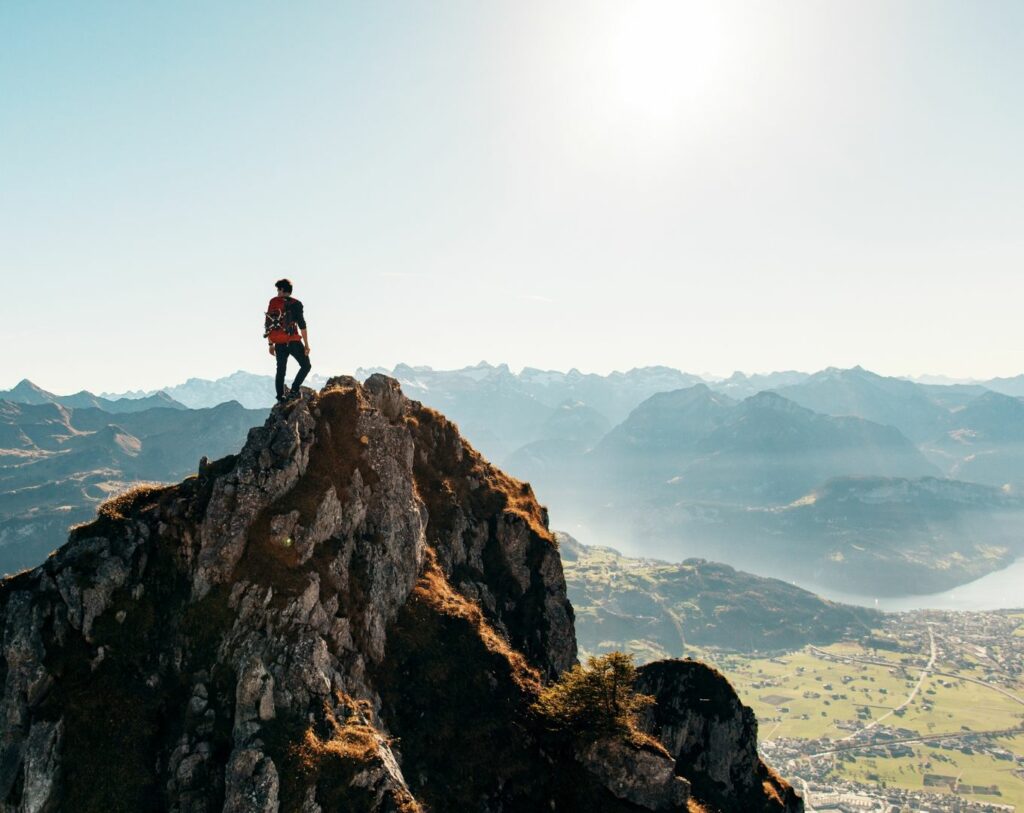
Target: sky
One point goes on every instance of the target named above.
(601, 185)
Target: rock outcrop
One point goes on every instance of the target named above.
(712, 737)
(356, 612)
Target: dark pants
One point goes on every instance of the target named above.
(299, 352)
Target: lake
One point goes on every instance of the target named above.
(1001, 590)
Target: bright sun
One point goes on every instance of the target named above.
(664, 57)
(651, 63)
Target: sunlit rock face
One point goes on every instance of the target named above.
(356, 612)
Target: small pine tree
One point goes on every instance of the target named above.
(596, 699)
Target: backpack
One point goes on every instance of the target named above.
(278, 320)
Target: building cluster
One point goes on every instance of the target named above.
(969, 646)
(982, 642)
(853, 797)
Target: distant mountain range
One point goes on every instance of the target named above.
(744, 469)
(57, 462)
(1007, 386)
(250, 390)
(832, 497)
(1013, 385)
(28, 393)
(890, 401)
(984, 442)
(740, 385)
(763, 450)
(503, 411)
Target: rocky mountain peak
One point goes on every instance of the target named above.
(29, 393)
(769, 400)
(356, 612)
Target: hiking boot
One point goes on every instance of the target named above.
(293, 395)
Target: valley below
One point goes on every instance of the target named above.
(858, 709)
(926, 714)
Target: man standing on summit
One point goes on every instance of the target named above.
(281, 328)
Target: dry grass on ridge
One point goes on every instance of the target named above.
(434, 590)
(120, 506)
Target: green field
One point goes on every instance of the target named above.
(823, 693)
(975, 770)
(802, 695)
(862, 675)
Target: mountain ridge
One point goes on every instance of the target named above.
(660, 609)
(26, 392)
(355, 611)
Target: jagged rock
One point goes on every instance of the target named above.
(254, 694)
(252, 783)
(636, 773)
(355, 612)
(42, 750)
(713, 738)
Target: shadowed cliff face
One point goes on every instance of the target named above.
(354, 613)
(712, 737)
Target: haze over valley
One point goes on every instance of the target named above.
(841, 479)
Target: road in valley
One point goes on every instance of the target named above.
(910, 697)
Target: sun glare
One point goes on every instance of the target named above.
(665, 58)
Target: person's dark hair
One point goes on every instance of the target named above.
(284, 284)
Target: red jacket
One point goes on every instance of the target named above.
(284, 320)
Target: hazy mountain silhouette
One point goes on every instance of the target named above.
(863, 394)
(985, 443)
(614, 395)
(740, 386)
(57, 463)
(575, 421)
(700, 444)
(1007, 386)
(771, 451)
(28, 393)
(755, 484)
(251, 390)
(660, 436)
(952, 396)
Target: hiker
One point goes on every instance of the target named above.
(284, 321)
